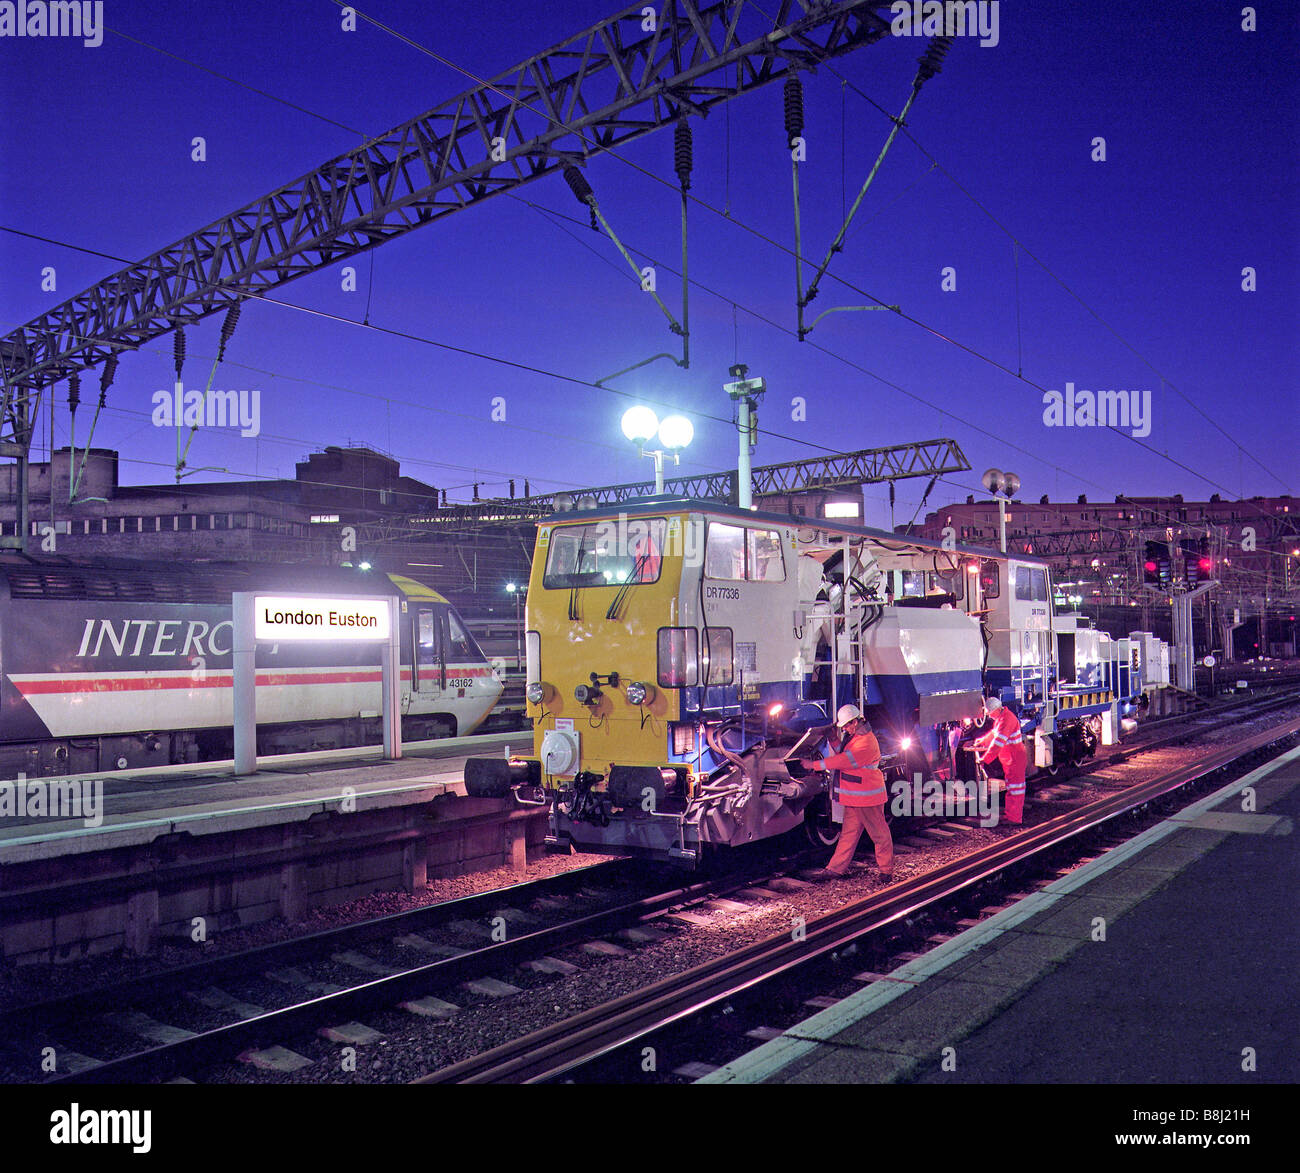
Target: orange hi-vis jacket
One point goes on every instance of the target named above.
(1005, 732)
(860, 783)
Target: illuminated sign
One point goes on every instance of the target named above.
(287, 618)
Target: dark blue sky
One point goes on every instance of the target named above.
(1200, 123)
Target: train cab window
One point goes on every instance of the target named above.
(1031, 584)
(911, 584)
(426, 638)
(460, 644)
(766, 562)
(605, 554)
(947, 583)
(736, 553)
(990, 580)
(724, 554)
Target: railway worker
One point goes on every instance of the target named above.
(861, 790)
(1005, 743)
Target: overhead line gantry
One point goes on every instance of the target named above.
(615, 82)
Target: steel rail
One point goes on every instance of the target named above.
(224, 1042)
(157, 985)
(564, 1046)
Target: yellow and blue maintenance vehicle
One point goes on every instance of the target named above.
(683, 655)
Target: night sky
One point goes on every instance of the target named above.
(1145, 250)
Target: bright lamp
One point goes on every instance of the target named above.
(639, 424)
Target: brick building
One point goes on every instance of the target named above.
(1097, 549)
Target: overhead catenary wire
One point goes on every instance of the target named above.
(796, 440)
(769, 240)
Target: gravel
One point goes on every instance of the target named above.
(414, 1046)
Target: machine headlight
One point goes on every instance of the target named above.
(638, 692)
(536, 692)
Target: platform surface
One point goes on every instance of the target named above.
(1173, 959)
(138, 805)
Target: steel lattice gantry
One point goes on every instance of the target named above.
(866, 466)
(613, 83)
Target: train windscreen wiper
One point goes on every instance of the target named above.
(631, 581)
(577, 569)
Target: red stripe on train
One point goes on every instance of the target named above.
(211, 680)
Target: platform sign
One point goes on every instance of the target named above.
(297, 618)
(328, 619)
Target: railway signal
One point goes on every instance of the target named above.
(1197, 563)
(1156, 568)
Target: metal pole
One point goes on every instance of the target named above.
(1002, 522)
(390, 659)
(659, 471)
(745, 475)
(244, 657)
(519, 633)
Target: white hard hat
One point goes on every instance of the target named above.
(846, 714)
(992, 702)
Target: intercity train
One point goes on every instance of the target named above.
(121, 664)
(683, 655)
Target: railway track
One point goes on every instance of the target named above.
(516, 926)
(567, 1048)
(527, 920)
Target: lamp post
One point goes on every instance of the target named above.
(745, 393)
(1004, 486)
(675, 432)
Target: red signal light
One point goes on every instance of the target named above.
(1149, 567)
(1206, 565)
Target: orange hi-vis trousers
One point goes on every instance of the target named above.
(856, 820)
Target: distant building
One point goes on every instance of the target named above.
(1096, 551)
(343, 505)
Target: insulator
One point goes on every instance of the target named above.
(512, 488)
(931, 61)
(178, 350)
(683, 153)
(74, 392)
(793, 108)
(106, 379)
(228, 328)
(579, 185)
(527, 491)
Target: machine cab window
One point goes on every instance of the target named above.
(736, 553)
(605, 553)
(1031, 584)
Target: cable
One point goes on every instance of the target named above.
(1016, 242)
(762, 236)
(708, 207)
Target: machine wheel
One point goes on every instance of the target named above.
(818, 826)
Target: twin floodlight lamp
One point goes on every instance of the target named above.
(641, 425)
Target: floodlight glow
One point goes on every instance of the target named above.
(639, 424)
(676, 432)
